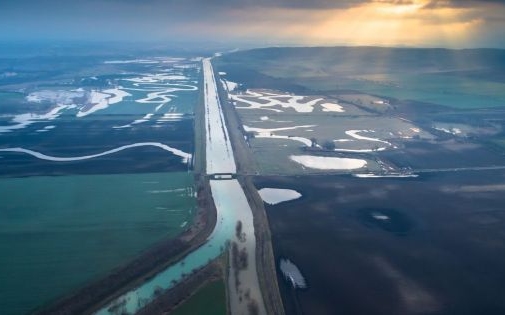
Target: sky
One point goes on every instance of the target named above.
(417, 23)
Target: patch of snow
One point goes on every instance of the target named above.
(453, 131)
(269, 133)
(354, 134)
(143, 119)
(296, 102)
(342, 140)
(330, 107)
(171, 117)
(328, 163)
(22, 120)
(262, 131)
(141, 61)
(59, 97)
(8, 74)
(292, 274)
(170, 59)
(231, 86)
(185, 156)
(273, 196)
(380, 216)
(371, 175)
(360, 150)
(157, 78)
(122, 127)
(102, 100)
(305, 141)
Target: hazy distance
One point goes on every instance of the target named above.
(419, 23)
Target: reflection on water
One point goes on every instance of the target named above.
(390, 220)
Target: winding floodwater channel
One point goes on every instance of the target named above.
(232, 206)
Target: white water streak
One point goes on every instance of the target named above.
(185, 156)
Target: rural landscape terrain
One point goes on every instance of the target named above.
(300, 180)
(385, 170)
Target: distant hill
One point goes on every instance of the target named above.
(311, 61)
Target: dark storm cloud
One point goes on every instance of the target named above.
(206, 5)
(290, 4)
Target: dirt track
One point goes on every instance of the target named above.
(246, 165)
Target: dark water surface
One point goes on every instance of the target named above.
(430, 245)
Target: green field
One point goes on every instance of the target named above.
(500, 142)
(58, 233)
(457, 92)
(452, 91)
(209, 300)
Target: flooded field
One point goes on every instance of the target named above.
(412, 227)
(295, 134)
(127, 103)
(369, 104)
(431, 245)
(95, 160)
(62, 232)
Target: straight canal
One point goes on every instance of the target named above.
(233, 210)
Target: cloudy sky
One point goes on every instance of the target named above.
(441, 23)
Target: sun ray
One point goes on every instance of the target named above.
(386, 23)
